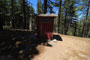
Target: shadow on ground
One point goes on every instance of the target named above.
(18, 45)
(57, 37)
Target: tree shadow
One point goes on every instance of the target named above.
(44, 42)
(18, 45)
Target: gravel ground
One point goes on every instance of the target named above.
(71, 48)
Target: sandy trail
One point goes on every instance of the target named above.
(71, 48)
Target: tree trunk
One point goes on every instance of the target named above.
(69, 22)
(45, 6)
(12, 14)
(83, 30)
(87, 10)
(59, 15)
(65, 22)
(87, 18)
(75, 28)
(24, 14)
(30, 23)
(1, 23)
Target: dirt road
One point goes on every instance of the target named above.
(71, 48)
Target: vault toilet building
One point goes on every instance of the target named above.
(45, 24)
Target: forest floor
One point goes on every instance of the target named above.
(71, 48)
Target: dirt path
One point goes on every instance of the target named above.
(71, 48)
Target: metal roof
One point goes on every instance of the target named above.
(48, 15)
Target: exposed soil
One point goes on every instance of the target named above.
(71, 48)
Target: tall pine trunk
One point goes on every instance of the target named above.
(1, 23)
(45, 6)
(24, 14)
(65, 22)
(12, 13)
(30, 23)
(75, 28)
(59, 15)
(87, 18)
